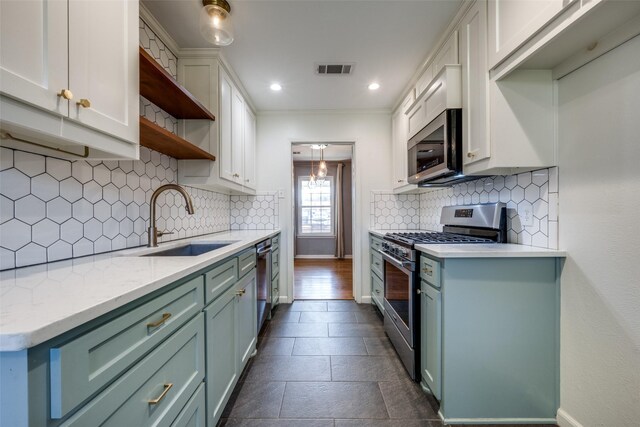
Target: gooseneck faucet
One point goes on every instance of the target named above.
(153, 232)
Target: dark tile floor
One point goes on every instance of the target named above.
(327, 364)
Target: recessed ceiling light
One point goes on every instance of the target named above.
(374, 86)
(275, 87)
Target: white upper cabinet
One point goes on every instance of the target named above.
(447, 55)
(225, 122)
(513, 22)
(237, 136)
(249, 148)
(475, 78)
(103, 65)
(69, 76)
(231, 138)
(33, 52)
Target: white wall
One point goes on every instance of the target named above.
(371, 132)
(599, 154)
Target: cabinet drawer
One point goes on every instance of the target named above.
(275, 291)
(246, 262)
(194, 413)
(275, 242)
(218, 279)
(168, 376)
(376, 264)
(417, 119)
(430, 271)
(376, 244)
(275, 263)
(377, 292)
(83, 366)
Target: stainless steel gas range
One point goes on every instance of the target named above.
(469, 224)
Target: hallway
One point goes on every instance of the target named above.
(323, 279)
(327, 363)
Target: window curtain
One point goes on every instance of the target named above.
(339, 213)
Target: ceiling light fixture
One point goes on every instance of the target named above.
(215, 22)
(275, 87)
(374, 86)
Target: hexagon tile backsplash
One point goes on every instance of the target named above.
(54, 209)
(535, 191)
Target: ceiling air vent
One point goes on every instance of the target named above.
(334, 69)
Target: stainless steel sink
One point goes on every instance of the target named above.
(193, 249)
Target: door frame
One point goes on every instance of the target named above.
(355, 213)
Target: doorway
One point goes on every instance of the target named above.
(323, 220)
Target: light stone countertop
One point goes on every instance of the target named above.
(41, 302)
(494, 250)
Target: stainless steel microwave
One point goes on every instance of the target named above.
(435, 153)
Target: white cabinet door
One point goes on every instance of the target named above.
(103, 65)
(237, 135)
(33, 52)
(512, 22)
(224, 122)
(447, 55)
(399, 126)
(473, 58)
(249, 148)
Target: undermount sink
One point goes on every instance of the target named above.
(193, 249)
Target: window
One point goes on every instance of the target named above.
(315, 207)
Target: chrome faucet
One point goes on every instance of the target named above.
(153, 231)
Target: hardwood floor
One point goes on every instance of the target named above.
(323, 279)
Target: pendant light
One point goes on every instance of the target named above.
(322, 166)
(312, 178)
(215, 22)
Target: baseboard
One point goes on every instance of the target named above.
(283, 299)
(492, 421)
(365, 299)
(566, 420)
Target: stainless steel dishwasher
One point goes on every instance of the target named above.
(263, 250)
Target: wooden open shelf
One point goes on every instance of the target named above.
(162, 89)
(159, 139)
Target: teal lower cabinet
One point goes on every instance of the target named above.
(377, 272)
(155, 390)
(490, 338)
(231, 322)
(166, 359)
(194, 413)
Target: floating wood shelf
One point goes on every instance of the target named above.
(162, 89)
(159, 139)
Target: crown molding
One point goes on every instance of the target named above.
(464, 7)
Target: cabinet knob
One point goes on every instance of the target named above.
(235, 175)
(66, 94)
(241, 292)
(84, 103)
(470, 155)
(401, 180)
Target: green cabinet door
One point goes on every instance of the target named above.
(247, 319)
(222, 368)
(431, 339)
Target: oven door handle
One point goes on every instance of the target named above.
(406, 266)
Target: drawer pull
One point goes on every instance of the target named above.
(377, 291)
(241, 292)
(165, 317)
(428, 271)
(157, 400)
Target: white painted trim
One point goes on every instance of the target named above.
(566, 420)
(155, 26)
(365, 299)
(284, 299)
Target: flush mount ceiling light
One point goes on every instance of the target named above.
(215, 22)
(374, 86)
(275, 87)
(319, 146)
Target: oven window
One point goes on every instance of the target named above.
(396, 291)
(428, 153)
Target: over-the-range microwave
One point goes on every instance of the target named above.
(435, 153)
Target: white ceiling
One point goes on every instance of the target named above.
(280, 41)
(332, 152)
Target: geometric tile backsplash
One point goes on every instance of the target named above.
(53, 209)
(535, 192)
